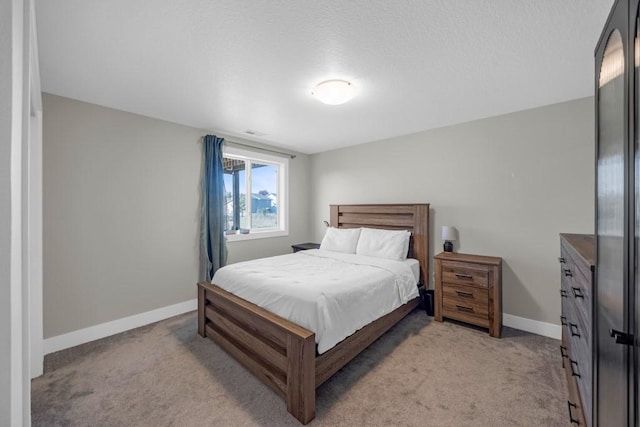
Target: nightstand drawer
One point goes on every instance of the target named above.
(478, 314)
(464, 295)
(465, 274)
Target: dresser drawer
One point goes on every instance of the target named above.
(577, 354)
(580, 366)
(577, 327)
(577, 287)
(578, 261)
(579, 371)
(465, 274)
(575, 409)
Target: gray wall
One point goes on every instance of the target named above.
(509, 184)
(121, 213)
(121, 202)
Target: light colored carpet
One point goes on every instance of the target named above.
(420, 373)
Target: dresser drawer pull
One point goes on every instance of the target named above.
(561, 260)
(574, 373)
(568, 273)
(563, 351)
(577, 292)
(563, 293)
(563, 321)
(465, 294)
(464, 276)
(463, 308)
(574, 330)
(571, 419)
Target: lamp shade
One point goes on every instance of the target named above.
(449, 233)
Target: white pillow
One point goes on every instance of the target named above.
(340, 240)
(390, 244)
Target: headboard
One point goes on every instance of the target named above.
(412, 217)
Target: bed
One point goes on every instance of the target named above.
(283, 354)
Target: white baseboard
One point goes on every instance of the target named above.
(92, 333)
(72, 339)
(534, 326)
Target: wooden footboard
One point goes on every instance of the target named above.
(280, 353)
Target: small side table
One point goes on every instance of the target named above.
(468, 288)
(304, 246)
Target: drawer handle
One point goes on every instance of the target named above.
(561, 260)
(464, 276)
(563, 321)
(574, 330)
(577, 292)
(574, 373)
(563, 293)
(568, 273)
(563, 353)
(571, 419)
(463, 308)
(465, 294)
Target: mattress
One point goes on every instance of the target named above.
(414, 265)
(330, 293)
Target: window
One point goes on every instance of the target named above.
(256, 189)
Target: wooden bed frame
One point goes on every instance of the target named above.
(283, 354)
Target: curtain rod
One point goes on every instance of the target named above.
(291, 156)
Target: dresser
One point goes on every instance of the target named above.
(468, 288)
(577, 268)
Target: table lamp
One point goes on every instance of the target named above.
(449, 234)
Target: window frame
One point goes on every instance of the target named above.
(249, 156)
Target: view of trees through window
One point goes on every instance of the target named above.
(260, 210)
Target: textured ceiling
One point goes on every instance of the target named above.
(231, 66)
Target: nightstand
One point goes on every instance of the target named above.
(304, 246)
(468, 288)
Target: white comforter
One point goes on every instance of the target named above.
(330, 293)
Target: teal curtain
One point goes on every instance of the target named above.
(213, 218)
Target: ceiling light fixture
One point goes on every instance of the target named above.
(334, 92)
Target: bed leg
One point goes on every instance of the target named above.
(201, 313)
(301, 377)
